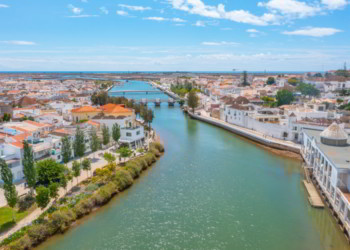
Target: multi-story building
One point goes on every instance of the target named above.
(328, 154)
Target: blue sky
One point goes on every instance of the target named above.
(158, 35)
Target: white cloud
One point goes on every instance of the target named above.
(4, 6)
(314, 32)
(18, 42)
(252, 31)
(200, 24)
(74, 9)
(104, 10)
(134, 8)
(178, 20)
(156, 18)
(291, 8)
(218, 12)
(122, 13)
(335, 4)
(223, 43)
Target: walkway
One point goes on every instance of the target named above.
(251, 134)
(99, 162)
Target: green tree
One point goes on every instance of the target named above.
(293, 81)
(64, 182)
(66, 149)
(10, 191)
(86, 165)
(105, 134)
(69, 176)
(29, 166)
(49, 171)
(116, 133)
(308, 89)
(124, 152)
(79, 143)
(109, 158)
(76, 169)
(284, 97)
(270, 81)
(245, 79)
(95, 143)
(6, 117)
(54, 188)
(192, 100)
(182, 102)
(42, 196)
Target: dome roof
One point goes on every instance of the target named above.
(335, 132)
(334, 135)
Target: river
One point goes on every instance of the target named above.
(210, 190)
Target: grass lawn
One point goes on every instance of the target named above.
(6, 221)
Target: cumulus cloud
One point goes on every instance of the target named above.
(18, 42)
(122, 13)
(314, 32)
(178, 20)
(335, 4)
(134, 8)
(4, 6)
(291, 8)
(74, 9)
(218, 12)
(156, 18)
(223, 43)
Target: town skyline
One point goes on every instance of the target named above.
(174, 35)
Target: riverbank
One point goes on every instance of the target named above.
(83, 199)
(250, 134)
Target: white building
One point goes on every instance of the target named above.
(328, 154)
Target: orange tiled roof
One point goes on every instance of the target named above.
(21, 137)
(17, 144)
(19, 129)
(85, 109)
(93, 123)
(37, 124)
(115, 108)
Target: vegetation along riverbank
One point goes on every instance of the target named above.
(83, 199)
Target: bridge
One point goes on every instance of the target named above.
(137, 91)
(157, 101)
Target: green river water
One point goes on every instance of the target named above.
(210, 190)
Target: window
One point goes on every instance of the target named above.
(128, 134)
(138, 132)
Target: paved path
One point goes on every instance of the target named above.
(253, 132)
(99, 162)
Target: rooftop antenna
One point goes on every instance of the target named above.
(345, 66)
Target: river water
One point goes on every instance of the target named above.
(210, 190)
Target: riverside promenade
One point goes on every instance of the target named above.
(248, 133)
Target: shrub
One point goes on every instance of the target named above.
(83, 207)
(26, 202)
(21, 244)
(15, 236)
(38, 233)
(105, 193)
(133, 170)
(150, 158)
(91, 187)
(142, 163)
(61, 220)
(123, 180)
(158, 146)
(155, 152)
